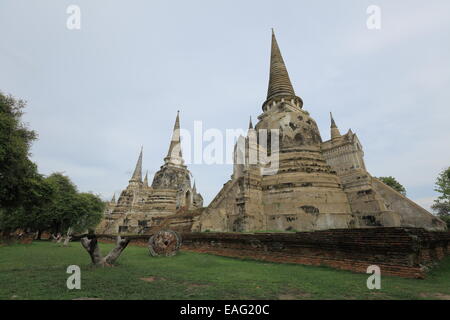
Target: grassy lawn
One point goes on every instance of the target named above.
(38, 271)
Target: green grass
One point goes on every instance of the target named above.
(38, 271)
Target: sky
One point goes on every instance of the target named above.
(97, 94)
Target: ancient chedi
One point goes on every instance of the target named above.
(318, 185)
(141, 207)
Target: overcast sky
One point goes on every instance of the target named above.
(95, 95)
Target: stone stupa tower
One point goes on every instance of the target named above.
(141, 207)
(174, 174)
(305, 190)
(312, 184)
(302, 192)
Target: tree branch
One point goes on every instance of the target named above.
(114, 254)
(91, 246)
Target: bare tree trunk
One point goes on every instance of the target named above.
(58, 238)
(68, 237)
(115, 253)
(38, 235)
(91, 246)
(66, 241)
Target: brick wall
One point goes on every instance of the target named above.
(404, 252)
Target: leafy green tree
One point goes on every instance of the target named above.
(36, 207)
(17, 171)
(54, 205)
(70, 209)
(20, 183)
(442, 204)
(32, 214)
(64, 203)
(90, 212)
(394, 184)
(28, 200)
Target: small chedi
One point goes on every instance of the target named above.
(318, 185)
(171, 197)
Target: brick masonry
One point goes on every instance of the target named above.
(404, 252)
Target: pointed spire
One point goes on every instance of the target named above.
(333, 124)
(250, 124)
(334, 129)
(279, 82)
(146, 179)
(137, 174)
(194, 188)
(113, 200)
(175, 156)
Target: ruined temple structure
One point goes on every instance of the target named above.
(318, 184)
(171, 196)
(291, 181)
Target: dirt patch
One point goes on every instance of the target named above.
(193, 286)
(437, 296)
(151, 279)
(294, 294)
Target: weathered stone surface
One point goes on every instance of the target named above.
(141, 208)
(317, 185)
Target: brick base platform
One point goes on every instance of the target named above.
(404, 252)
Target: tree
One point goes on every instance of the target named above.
(90, 243)
(394, 184)
(71, 209)
(20, 184)
(32, 214)
(28, 200)
(63, 205)
(16, 169)
(89, 213)
(442, 204)
(54, 205)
